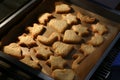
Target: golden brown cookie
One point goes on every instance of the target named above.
(27, 40)
(25, 51)
(59, 25)
(56, 62)
(42, 53)
(80, 29)
(45, 68)
(71, 37)
(85, 18)
(50, 40)
(13, 49)
(99, 28)
(44, 18)
(63, 74)
(62, 49)
(33, 55)
(36, 29)
(96, 40)
(87, 49)
(78, 57)
(62, 8)
(27, 60)
(70, 18)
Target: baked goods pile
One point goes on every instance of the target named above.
(59, 42)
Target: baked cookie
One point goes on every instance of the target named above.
(87, 49)
(70, 18)
(62, 8)
(85, 18)
(63, 74)
(50, 40)
(56, 62)
(71, 37)
(45, 67)
(26, 40)
(13, 49)
(59, 25)
(96, 40)
(33, 55)
(27, 60)
(80, 29)
(25, 51)
(61, 49)
(44, 18)
(99, 28)
(42, 53)
(35, 30)
(78, 57)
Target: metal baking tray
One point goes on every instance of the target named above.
(48, 6)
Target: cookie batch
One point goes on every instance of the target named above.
(57, 45)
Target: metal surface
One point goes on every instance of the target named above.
(29, 70)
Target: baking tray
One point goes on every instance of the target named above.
(86, 66)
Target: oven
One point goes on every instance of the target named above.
(21, 11)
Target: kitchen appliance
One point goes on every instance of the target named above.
(19, 71)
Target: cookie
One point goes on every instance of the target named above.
(87, 49)
(96, 40)
(44, 18)
(85, 18)
(49, 40)
(36, 29)
(42, 53)
(78, 57)
(99, 28)
(13, 49)
(33, 55)
(80, 29)
(62, 8)
(27, 60)
(62, 49)
(63, 74)
(59, 25)
(26, 40)
(56, 62)
(45, 68)
(70, 18)
(25, 51)
(71, 37)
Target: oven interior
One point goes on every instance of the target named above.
(10, 69)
